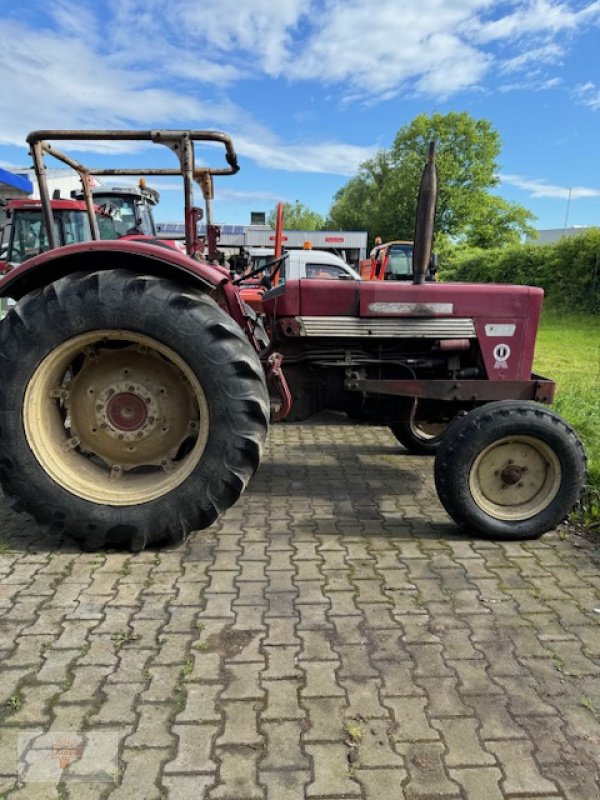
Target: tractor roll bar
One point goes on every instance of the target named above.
(180, 142)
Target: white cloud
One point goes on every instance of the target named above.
(535, 17)
(143, 63)
(546, 54)
(539, 187)
(261, 29)
(379, 49)
(589, 94)
(335, 158)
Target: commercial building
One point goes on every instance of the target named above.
(351, 245)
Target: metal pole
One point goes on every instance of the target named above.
(40, 172)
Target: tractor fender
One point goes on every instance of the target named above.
(148, 258)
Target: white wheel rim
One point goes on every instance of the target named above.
(127, 428)
(515, 478)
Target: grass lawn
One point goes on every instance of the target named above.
(568, 350)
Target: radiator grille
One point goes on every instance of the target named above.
(348, 327)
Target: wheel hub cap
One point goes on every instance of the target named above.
(126, 411)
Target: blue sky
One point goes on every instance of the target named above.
(309, 90)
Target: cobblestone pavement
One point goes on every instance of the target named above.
(334, 636)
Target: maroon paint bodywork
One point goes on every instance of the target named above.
(57, 205)
(483, 303)
(143, 255)
(49, 266)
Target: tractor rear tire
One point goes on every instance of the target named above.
(510, 469)
(419, 436)
(132, 410)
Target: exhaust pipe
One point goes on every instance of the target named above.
(425, 218)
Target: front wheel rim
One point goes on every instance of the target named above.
(116, 417)
(515, 478)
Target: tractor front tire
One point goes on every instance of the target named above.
(510, 469)
(132, 410)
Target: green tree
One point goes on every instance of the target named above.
(297, 217)
(382, 197)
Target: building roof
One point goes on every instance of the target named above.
(16, 181)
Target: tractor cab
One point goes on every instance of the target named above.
(129, 207)
(27, 234)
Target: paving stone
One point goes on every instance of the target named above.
(331, 772)
(28, 652)
(142, 771)
(522, 775)
(185, 787)
(282, 700)
(237, 776)
(496, 722)
(240, 720)
(325, 719)
(207, 667)
(194, 749)
(118, 706)
(398, 679)
(35, 704)
(523, 698)
(86, 682)
(200, 703)
(320, 679)
(462, 741)
(153, 727)
(374, 745)
(282, 661)
(479, 782)
(411, 721)
(381, 784)
(465, 668)
(283, 746)
(281, 632)
(576, 781)
(364, 697)
(473, 678)
(286, 785)
(427, 776)
(243, 682)
(443, 698)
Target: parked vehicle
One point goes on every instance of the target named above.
(393, 261)
(27, 235)
(137, 385)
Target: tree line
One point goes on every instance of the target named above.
(381, 198)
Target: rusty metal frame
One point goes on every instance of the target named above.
(180, 142)
(476, 391)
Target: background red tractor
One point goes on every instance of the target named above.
(137, 386)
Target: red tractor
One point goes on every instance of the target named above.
(26, 234)
(137, 386)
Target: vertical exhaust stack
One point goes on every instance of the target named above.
(425, 218)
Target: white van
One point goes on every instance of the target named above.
(307, 264)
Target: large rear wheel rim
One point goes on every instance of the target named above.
(116, 417)
(515, 478)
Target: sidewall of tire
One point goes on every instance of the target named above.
(191, 325)
(468, 435)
